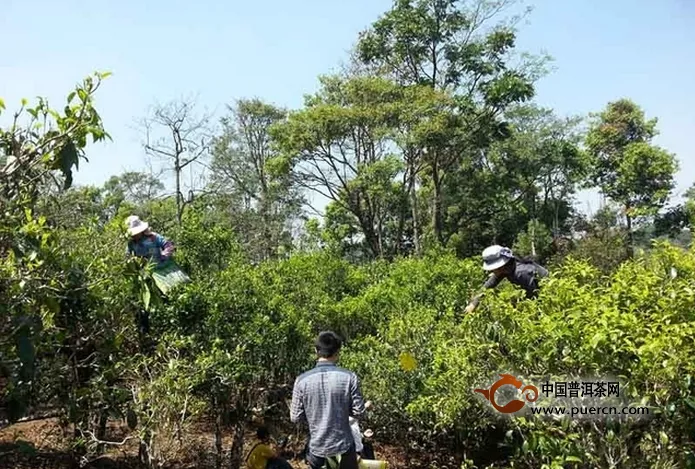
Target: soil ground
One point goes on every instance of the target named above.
(42, 444)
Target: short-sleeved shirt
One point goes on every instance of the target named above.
(259, 456)
(526, 275)
(326, 397)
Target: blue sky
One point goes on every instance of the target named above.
(223, 50)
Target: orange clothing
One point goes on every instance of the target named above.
(259, 456)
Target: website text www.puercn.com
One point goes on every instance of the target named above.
(589, 410)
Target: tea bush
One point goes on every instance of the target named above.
(636, 324)
(226, 347)
(239, 333)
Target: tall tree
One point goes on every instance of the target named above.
(538, 169)
(132, 186)
(629, 169)
(176, 135)
(344, 146)
(242, 170)
(447, 45)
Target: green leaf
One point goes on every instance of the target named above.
(663, 438)
(2, 104)
(690, 402)
(65, 159)
(573, 459)
(146, 296)
(26, 448)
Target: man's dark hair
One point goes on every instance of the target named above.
(262, 433)
(328, 344)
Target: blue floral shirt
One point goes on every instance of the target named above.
(152, 246)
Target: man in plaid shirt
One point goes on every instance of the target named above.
(326, 397)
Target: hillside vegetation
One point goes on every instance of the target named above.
(426, 150)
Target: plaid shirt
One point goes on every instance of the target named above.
(326, 397)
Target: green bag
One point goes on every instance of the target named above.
(333, 462)
(168, 275)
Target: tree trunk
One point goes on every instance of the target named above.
(235, 454)
(101, 430)
(145, 452)
(412, 192)
(398, 239)
(380, 235)
(179, 202)
(372, 240)
(437, 203)
(533, 239)
(630, 240)
(366, 221)
(218, 435)
(268, 248)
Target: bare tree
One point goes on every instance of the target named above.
(242, 169)
(179, 137)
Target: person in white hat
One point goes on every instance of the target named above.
(502, 263)
(146, 243)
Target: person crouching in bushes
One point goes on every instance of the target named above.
(502, 264)
(263, 456)
(147, 244)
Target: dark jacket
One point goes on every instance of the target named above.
(525, 274)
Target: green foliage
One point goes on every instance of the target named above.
(132, 187)
(604, 242)
(207, 244)
(42, 140)
(49, 297)
(338, 147)
(535, 242)
(627, 167)
(238, 334)
(252, 181)
(427, 150)
(405, 39)
(590, 326)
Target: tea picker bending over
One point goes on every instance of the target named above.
(147, 244)
(503, 264)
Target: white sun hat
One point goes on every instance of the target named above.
(135, 225)
(496, 256)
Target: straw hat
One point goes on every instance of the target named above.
(135, 225)
(496, 256)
